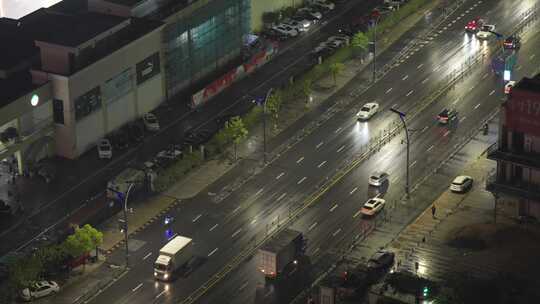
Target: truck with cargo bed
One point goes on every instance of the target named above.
(280, 251)
(173, 256)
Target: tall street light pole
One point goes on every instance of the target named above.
(125, 226)
(264, 123)
(375, 17)
(402, 118)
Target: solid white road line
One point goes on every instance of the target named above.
(312, 226)
(147, 256)
(197, 218)
(321, 164)
(212, 252)
(237, 232)
(340, 149)
(137, 287)
(333, 208)
(300, 160)
(213, 227)
(353, 190)
(301, 180)
(280, 175)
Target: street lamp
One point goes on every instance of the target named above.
(264, 122)
(402, 118)
(125, 196)
(375, 18)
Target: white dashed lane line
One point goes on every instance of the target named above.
(320, 144)
(197, 218)
(301, 180)
(388, 91)
(321, 164)
(476, 106)
(212, 252)
(405, 77)
(462, 118)
(147, 256)
(259, 192)
(446, 133)
(430, 148)
(357, 213)
(492, 92)
(333, 208)
(410, 92)
(424, 81)
(340, 149)
(280, 175)
(281, 197)
(336, 232)
(300, 160)
(485, 75)
(213, 227)
(412, 165)
(420, 65)
(353, 190)
(424, 129)
(337, 130)
(312, 226)
(236, 233)
(137, 287)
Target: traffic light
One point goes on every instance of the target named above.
(425, 292)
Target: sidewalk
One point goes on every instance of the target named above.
(217, 178)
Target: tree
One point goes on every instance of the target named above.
(83, 240)
(51, 257)
(237, 131)
(336, 68)
(24, 271)
(273, 105)
(360, 42)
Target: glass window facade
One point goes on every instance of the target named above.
(197, 43)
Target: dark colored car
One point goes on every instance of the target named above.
(513, 42)
(382, 259)
(5, 208)
(446, 116)
(196, 138)
(273, 35)
(120, 140)
(135, 132)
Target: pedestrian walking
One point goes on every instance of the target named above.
(433, 210)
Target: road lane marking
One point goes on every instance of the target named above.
(333, 208)
(236, 209)
(281, 197)
(532, 56)
(446, 133)
(353, 190)
(321, 164)
(492, 92)
(424, 129)
(485, 75)
(341, 148)
(405, 78)
(424, 81)
(213, 227)
(395, 105)
(455, 101)
(337, 130)
(462, 118)
(336, 232)
(280, 175)
(316, 250)
(243, 286)
(197, 218)
(319, 145)
(212, 252)
(147, 256)
(253, 221)
(430, 148)
(259, 192)
(412, 165)
(300, 160)
(357, 213)
(420, 65)
(476, 106)
(312, 226)
(237, 232)
(160, 294)
(301, 180)
(410, 92)
(471, 88)
(388, 91)
(137, 287)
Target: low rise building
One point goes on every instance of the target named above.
(516, 182)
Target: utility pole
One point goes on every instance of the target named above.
(402, 118)
(375, 18)
(264, 123)
(125, 196)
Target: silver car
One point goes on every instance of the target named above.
(378, 178)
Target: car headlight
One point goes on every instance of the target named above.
(165, 276)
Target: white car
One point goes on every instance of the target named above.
(170, 154)
(367, 111)
(461, 183)
(285, 30)
(338, 40)
(378, 178)
(299, 26)
(373, 206)
(104, 149)
(508, 87)
(151, 122)
(325, 5)
(306, 23)
(486, 31)
(39, 289)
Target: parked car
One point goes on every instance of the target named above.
(378, 178)
(104, 149)
(151, 122)
(286, 30)
(272, 34)
(367, 111)
(338, 40)
(446, 115)
(512, 42)
(461, 184)
(322, 5)
(196, 138)
(373, 206)
(486, 31)
(309, 12)
(39, 289)
(135, 132)
(508, 87)
(382, 259)
(305, 22)
(299, 26)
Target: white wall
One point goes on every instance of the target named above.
(18, 8)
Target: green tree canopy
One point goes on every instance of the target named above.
(237, 131)
(83, 240)
(360, 41)
(273, 104)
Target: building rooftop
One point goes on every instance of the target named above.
(69, 30)
(529, 84)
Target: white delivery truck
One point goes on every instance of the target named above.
(175, 254)
(279, 252)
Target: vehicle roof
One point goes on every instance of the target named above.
(372, 201)
(369, 104)
(460, 179)
(378, 173)
(176, 244)
(281, 240)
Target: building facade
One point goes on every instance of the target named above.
(516, 182)
(199, 37)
